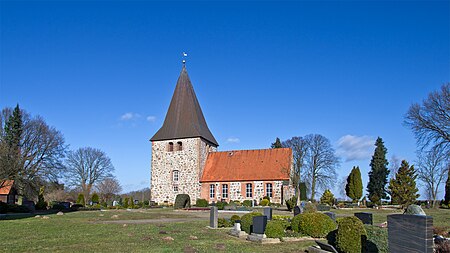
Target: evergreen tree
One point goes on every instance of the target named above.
(403, 187)
(14, 129)
(80, 199)
(354, 187)
(95, 198)
(327, 197)
(41, 204)
(447, 188)
(276, 144)
(378, 175)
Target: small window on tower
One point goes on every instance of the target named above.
(170, 146)
(175, 188)
(180, 146)
(176, 175)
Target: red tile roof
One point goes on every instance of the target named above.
(5, 187)
(248, 165)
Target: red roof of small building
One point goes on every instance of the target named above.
(248, 165)
(5, 187)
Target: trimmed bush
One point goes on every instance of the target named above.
(234, 218)
(310, 208)
(80, 199)
(224, 223)
(220, 205)
(275, 229)
(125, 202)
(350, 235)
(247, 203)
(290, 203)
(201, 203)
(3, 207)
(247, 221)
(182, 201)
(264, 202)
(267, 197)
(316, 225)
(75, 207)
(327, 198)
(377, 239)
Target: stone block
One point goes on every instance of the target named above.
(259, 224)
(366, 218)
(410, 233)
(297, 210)
(268, 212)
(213, 216)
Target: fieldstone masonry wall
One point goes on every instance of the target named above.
(189, 162)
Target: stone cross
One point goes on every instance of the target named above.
(213, 216)
(410, 233)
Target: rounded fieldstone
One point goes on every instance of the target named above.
(414, 209)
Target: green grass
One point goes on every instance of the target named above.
(89, 231)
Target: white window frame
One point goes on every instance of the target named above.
(224, 191)
(175, 188)
(249, 190)
(212, 191)
(176, 176)
(269, 193)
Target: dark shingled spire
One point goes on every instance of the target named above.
(184, 119)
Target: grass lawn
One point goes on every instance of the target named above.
(144, 231)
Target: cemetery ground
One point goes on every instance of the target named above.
(147, 230)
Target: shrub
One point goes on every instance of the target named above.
(234, 218)
(58, 207)
(220, 205)
(322, 207)
(290, 203)
(267, 197)
(3, 207)
(237, 202)
(350, 234)
(264, 202)
(13, 208)
(80, 199)
(223, 223)
(377, 239)
(275, 229)
(281, 217)
(125, 202)
(95, 198)
(247, 221)
(327, 198)
(131, 202)
(75, 207)
(310, 208)
(201, 203)
(316, 225)
(182, 201)
(247, 203)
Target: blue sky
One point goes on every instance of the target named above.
(103, 72)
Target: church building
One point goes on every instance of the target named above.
(185, 159)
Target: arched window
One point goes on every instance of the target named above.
(176, 175)
(179, 146)
(170, 146)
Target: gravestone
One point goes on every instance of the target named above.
(366, 218)
(259, 224)
(331, 215)
(268, 212)
(297, 210)
(410, 233)
(213, 215)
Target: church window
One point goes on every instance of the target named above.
(179, 146)
(175, 188)
(176, 176)
(249, 190)
(269, 192)
(224, 191)
(170, 146)
(212, 192)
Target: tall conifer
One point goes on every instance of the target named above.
(378, 175)
(276, 144)
(354, 187)
(403, 187)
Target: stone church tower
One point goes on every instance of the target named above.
(180, 147)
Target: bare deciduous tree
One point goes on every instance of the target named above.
(431, 170)
(320, 163)
(41, 153)
(86, 167)
(298, 146)
(430, 121)
(108, 188)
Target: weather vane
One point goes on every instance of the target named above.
(184, 58)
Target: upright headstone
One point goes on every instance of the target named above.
(268, 212)
(366, 218)
(331, 215)
(213, 216)
(297, 210)
(259, 224)
(410, 233)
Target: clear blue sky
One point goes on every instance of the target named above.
(103, 72)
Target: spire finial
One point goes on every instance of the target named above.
(184, 58)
